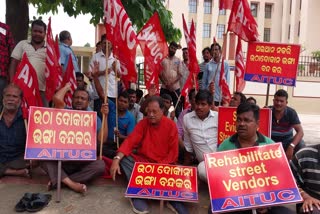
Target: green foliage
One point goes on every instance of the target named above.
(87, 45)
(316, 55)
(139, 12)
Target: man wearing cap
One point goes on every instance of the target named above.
(170, 76)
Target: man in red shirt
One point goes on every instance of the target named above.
(155, 140)
(6, 47)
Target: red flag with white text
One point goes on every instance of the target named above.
(69, 77)
(190, 37)
(225, 4)
(154, 47)
(241, 21)
(53, 71)
(240, 68)
(185, 91)
(26, 78)
(123, 38)
(225, 92)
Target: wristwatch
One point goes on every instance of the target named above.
(116, 157)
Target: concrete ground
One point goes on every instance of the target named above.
(106, 196)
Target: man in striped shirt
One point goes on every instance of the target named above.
(305, 167)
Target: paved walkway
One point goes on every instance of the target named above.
(106, 196)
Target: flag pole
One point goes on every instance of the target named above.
(105, 99)
(117, 114)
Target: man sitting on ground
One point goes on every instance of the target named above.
(237, 99)
(200, 131)
(12, 134)
(75, 174)
(284, 120)
(305, 166)
(154, 140)
(134, 108)
(247, 124)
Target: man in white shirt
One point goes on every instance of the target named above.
(134, 108)
(200, 131)
(113, 69)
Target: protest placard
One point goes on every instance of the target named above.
(250, 177)
(272, 63)
(61, 134)
(163, 181)
(227, 122)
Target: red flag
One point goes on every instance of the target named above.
(24, 108)
(26, 78)
(53, 69)
(225, 92)
(185, 91)
(56, 46)
(154, 47)
(241, 21)
(123, 38)
(192, 49)
(225, 4)
(239, 71)
(69, 77)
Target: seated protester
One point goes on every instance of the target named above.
(167, 100)
(12, 134)
(247, 124)
(305, 166)
(134, 108)
(284, 120)
(200, 129)
(237, 99)
(154, 140)
(126, 124)
(252, 100)
(74, 174)
(152, 91)
(126, 121)
(191, 96)
(82, 84)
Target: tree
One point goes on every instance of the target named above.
(87, 45)
(138, 11)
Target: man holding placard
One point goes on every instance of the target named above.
(154, 140)
(75, 174)
(247, 124)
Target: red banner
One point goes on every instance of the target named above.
(154, 47)
(227, 122)
(225, 92)
(163, 181)
(53, 69)
(26, 78)
(225, 4)
(239, 71)
(123, 38)
(60, 134)
(272, 63)
(250, 177)
(69, 77)
(241, 21)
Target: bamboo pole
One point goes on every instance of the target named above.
(105, 98)
(117, 114)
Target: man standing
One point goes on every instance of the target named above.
(36, 53)
(75, 174)
(113, 73)
(134, 108)
(211, 75)
(6, 47)
(206, 55)
(284, 120)
(200, 131)
(184, 67)
(154, 140)
(170, 76)
(12, 134)
(65, 50)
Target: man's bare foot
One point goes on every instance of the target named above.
(75, 186)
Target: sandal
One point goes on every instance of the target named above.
(21, 206)
(39, 202)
